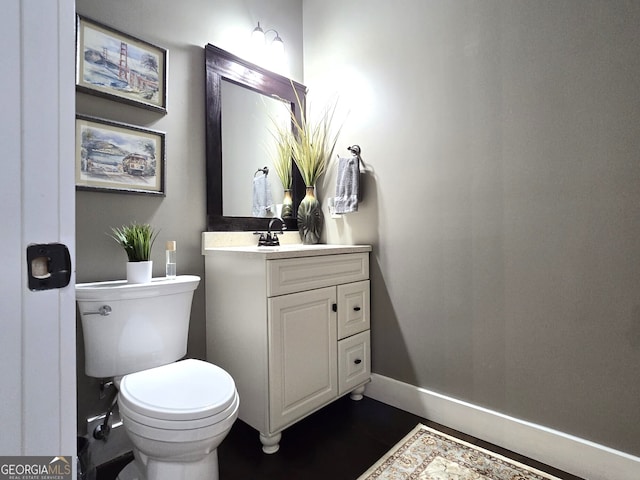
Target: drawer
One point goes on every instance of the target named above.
(354, 361)
(292, 275)
(353, 308)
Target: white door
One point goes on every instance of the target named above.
(303, 360)
(37, 194)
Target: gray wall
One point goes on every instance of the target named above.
(503, 198)
(183, 28)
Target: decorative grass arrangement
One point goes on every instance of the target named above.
(282, 157)
(310, 144)
(136, 240)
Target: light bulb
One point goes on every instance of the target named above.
(277, 48)
(257, 36)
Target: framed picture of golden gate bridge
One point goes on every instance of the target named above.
(119, 66)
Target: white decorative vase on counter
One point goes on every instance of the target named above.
(139, 272)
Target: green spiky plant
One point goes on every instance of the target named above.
(136, 239)
(281, 157)
(310, 144)
(313, 144)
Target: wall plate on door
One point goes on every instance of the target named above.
(49, 266)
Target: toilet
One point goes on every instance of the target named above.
(175, 412)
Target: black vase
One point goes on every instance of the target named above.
(310, 218)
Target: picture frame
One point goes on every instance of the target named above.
(117, 157)
(118, 66)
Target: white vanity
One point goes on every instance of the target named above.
(291, 325)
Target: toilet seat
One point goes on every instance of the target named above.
(185, 395)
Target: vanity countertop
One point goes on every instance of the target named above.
(288, 251)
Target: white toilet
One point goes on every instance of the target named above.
(176, 413)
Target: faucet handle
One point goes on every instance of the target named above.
(263, 240)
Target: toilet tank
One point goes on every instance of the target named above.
(132, 327)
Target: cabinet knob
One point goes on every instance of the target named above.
(357, 361)
(356, 309)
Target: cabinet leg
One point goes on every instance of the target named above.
(270, 444)
(357, 393)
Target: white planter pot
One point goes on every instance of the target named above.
(139, 272)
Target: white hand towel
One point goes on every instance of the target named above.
(262, 202)
(347, 184)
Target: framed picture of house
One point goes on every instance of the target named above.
(121, 67)
(116, 157)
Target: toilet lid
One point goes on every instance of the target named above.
(186, 390)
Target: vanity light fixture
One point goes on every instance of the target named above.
(259, 38)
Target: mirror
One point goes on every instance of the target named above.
(245, 114)
(241, 99)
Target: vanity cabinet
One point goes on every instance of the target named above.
(291, 326)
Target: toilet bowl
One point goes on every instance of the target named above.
(176, 416)
(175, 412)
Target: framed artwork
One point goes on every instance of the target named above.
(118, 66)
(116, 157)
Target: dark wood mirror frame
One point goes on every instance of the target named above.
(222, 65)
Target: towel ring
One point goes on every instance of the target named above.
(264, 170)
(356, 151)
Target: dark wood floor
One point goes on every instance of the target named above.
(340, 442)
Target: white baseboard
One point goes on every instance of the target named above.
(572, 454)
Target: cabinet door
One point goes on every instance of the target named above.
(302, 354)
(353, 308)
(354, 361)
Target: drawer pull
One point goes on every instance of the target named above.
(356, 309)
(357, 361)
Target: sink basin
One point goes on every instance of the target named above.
(293, 247)
(290, 250)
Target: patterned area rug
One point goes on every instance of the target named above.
(427, 454)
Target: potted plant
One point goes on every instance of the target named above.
(137, 240)
(311, 145)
